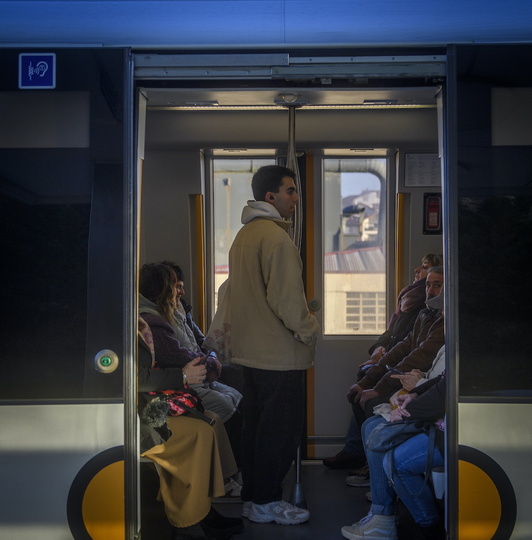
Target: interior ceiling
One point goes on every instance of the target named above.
(168, 98)
(168, 108)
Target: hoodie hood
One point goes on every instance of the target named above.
(436, 303)
(147, 306)
(259, 209)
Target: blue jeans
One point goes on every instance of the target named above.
(273, 415)
(409, 463)
(353, 439)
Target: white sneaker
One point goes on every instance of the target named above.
(279, 511)
(246, 509)
(372, 527)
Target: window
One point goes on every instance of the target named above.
(231, 191)
(353, 242)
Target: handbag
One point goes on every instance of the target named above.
(388, 435)
(173, 403)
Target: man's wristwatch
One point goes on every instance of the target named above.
(184, 379)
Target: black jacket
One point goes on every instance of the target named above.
(429, 406)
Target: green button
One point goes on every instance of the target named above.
(105, 361)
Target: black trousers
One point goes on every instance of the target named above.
(273, 413)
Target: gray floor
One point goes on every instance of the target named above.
(332, 504)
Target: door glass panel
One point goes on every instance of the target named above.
(231, 191)
(61, 228)
(494, 218)
(354, 278)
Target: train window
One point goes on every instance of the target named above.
(353, 246)
(231, 189)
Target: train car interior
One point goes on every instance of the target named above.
(356, 139)
(138, 156)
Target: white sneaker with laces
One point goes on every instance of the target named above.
(281, 512)
(372, 527)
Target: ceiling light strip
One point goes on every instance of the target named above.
(279, 108)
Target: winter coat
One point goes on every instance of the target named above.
(402, 322)
(271, 325)
(430, 406)
(198, 334)
(416, 351)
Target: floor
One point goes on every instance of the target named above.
(332, 504)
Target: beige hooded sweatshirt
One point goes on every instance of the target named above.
(271, 325)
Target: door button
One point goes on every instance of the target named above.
(106, 361)
(314, 304)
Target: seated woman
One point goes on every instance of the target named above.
(220, 392)
(160, 305)
(403, 468)
(194, 460)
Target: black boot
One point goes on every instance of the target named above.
(221, 527)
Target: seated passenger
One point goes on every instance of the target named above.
(194, 336)
(160, 306)
(410, 301)
(404, 468)
(196, 457)
(231, 374)
(409, 380)
(416, 351)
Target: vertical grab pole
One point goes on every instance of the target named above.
(297, 497)
(291, 163)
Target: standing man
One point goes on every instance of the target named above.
(274, 339)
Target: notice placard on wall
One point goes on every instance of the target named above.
(422, 170)
(36, 71)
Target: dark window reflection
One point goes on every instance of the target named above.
(495, 243)
(43, 298)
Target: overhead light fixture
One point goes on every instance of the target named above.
(289, 100)
(283, 105)
(380, 102)
(201, 104)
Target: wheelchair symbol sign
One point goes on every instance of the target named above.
(36, 70)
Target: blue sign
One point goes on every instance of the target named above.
(36, 70)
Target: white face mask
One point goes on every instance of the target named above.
(435, 303)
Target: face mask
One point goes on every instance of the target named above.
(436, 302)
